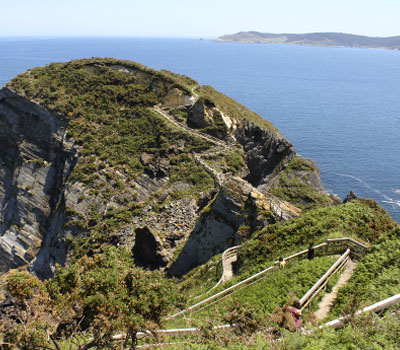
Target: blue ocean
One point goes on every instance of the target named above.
(338, 106)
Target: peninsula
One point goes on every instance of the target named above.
(315, 39)
(130, 197)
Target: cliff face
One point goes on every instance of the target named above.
(35, 159)
(267, 153)
(107, 151)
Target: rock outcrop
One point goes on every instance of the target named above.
(91, 164)
(266, 151)
(200, 115)
(350, 197)
(35, 158)
(215, 231)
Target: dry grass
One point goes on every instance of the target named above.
(3, 286)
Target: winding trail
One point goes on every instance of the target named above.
(327, 301)
(171, 119)
(282, 209)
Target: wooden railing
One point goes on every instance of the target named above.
(226, 255)
(241, 283)
(321, 283)
(330, 247)
(382, 305)
(340, 322)
(348, 247)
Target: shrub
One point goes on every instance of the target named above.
(101, 295)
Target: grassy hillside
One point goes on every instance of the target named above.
(295, 185)
(121, 139)
(375, 278)
(232, 108)
(362, 219)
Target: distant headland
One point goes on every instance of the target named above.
(315, 39)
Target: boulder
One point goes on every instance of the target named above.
(350, 197)
(199, 116)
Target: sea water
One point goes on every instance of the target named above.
(338, 106)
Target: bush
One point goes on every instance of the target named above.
(375, 278)
(101, 295)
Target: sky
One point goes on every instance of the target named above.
(199, 18)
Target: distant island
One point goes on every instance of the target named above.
(314, 39)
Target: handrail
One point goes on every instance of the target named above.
(170, 332)
(339, 269)
(178, 331)
(317, 287)
(190, 308)
(305, 299)
(251, 278)
(383, 304)
(302, 252)
(228, 253)
(347, 239)
(324, 277)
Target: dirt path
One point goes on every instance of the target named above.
(171, 119)
(281, 208)
(327, 301)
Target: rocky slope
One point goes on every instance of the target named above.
(101, 151)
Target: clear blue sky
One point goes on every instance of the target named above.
(198, 18)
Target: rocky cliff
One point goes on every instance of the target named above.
(100, 151)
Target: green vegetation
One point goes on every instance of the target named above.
(188, 171)
(108, 106)
(362, 219)
(227, 162)
(375, 278)
(108, 109)
(102, 295)
(299, 194)
(370, 332)
(201, 279)
(293, 185)
(232, 108)
(235, 161)
(300, 164)
(263, 296)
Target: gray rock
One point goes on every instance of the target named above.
(199, 116)
(267, 152)
(35, 159)
(215, 231)
(350, 197)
